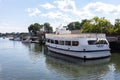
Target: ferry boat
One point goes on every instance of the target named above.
(82, 45)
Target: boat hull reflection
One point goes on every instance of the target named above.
(76, 60)
(78, 69)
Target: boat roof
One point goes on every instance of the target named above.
(82, 35)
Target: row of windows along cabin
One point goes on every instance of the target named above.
(75, 43)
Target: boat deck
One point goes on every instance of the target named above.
(83, 35)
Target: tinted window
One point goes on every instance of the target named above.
(92, 42)
(68, 43)
(75, 43)
(101, 42)
(56, 41)
(52, 41)
(61, 42)
(48, 40)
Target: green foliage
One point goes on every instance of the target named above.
(97, 25)
(74, 26)
(87, 27)
(47, 28)
(94, 25)
(117, 25)
(34, 28)
(117, 22)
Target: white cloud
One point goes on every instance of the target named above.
(48, 6)
(65, 11)
(52, 15)
(69, 6)
(103, 8)
(33, 11)
(57, 18)
(83, 14)
(57, 15)
(65, 5)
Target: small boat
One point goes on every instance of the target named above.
(82, 45)
(16, 39)
(11, 38)
(26, 40)
(3, 37)
(34, 40)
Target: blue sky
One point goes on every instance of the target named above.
(17, 15)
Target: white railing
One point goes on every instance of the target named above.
(83, 35)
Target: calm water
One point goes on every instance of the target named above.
(20, 61)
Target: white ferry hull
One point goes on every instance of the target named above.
(85, 46)
(82, 54)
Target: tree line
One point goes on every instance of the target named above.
(94, 25)
(36, 27)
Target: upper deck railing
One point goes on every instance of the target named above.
(82, 35)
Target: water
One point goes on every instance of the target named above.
(20, 61)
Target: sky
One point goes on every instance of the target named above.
(17, 15)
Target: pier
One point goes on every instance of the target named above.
(114, 40)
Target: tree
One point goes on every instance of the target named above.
(83, 22)
(87, 27)
(111, 30)
(117, 22)
(117, 25)
(101, 24)
(34, 28)
(47, 28)
(74, 26)
(97, 25)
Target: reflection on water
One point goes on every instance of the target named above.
(76, 60)
(24, 61)
(33, 47)
(96, 69)
(102, 69)
(115, 58)
(35, 51)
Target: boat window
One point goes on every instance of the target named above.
(101, 42)
(61, 42)
(92, 42)
(68, 43)
(75, 43)
(52, 41)
(48, 40)
(56, 41)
